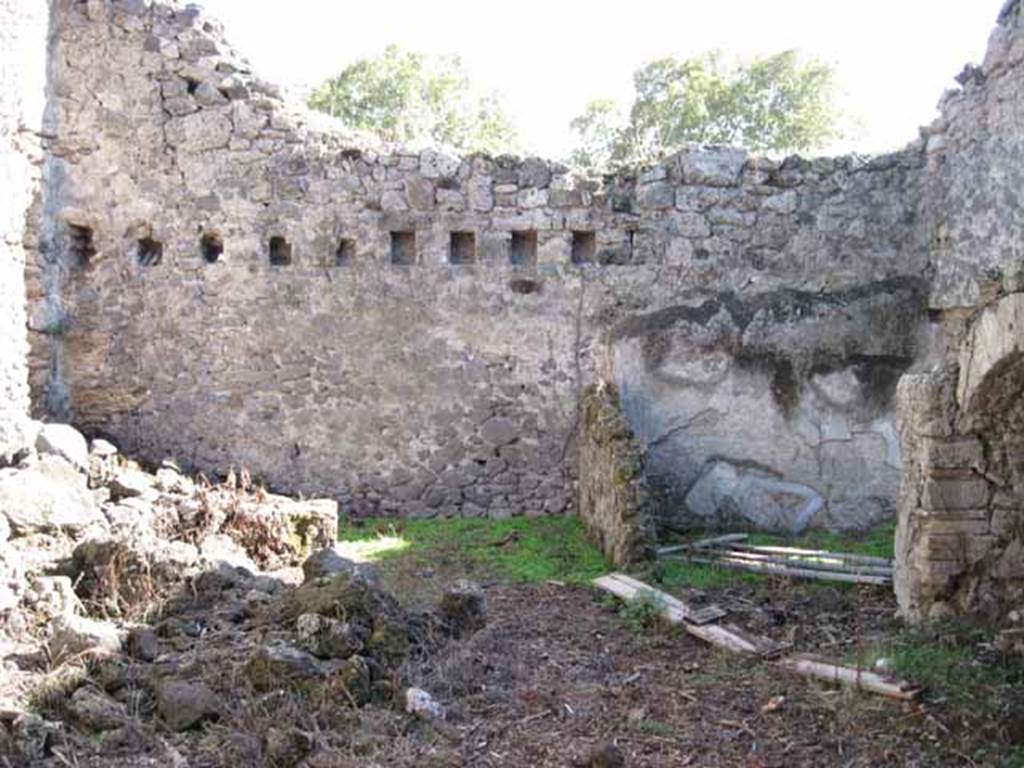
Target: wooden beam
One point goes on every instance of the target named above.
(862, 679)
(675, 611)
(736, 640)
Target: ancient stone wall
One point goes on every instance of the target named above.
(615, 503)
(23, 33)
(960, 540)
(237, 284)
(973, 209)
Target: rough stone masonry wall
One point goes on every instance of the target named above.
(615, 503)
(960, 540)
(450, 385)
(23, 32)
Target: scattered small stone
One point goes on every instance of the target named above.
(270, 666)
(183, 705)
(65, 441)
(47, 495)
(97, 711)
(78, 636)
(422, 705)
(607, 756)
(103, 449)
(52, 596)
(329, 638)
(143, 644)
(287, 746)
(129, 484)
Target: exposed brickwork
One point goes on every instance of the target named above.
(615, 504)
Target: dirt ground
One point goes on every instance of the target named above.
(563, 676)
(558, 674)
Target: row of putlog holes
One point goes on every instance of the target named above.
(462, 248)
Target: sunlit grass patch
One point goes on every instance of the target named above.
(516, 550)
(370, 550)
(877, 542)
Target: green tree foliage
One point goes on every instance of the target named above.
(773, 104)
(407, 97)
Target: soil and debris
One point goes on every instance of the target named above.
(170, 622)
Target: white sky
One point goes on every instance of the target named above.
(548, 58)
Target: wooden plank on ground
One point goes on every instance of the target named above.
(723, 636)
(737, 640)
(675, 610)
(863, 679)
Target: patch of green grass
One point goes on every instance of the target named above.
(516, 550)
(676, 572)
(643, 613)
(947, 670)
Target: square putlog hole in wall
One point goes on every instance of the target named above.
(280, 252)
(149, 252)
(345, 253)
(403, 248)
(462, 249)
(584, 247)
(523, 249)
(80, 245)
(211, 246)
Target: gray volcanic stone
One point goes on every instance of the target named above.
(329, 638)
(183, 705)
(272, 665)
(97, 711)
(143, 644)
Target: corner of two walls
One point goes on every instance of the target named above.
(442, 387)
(756, 314)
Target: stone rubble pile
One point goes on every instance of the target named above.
(135, 607)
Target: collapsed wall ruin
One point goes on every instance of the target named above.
(217, 276)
